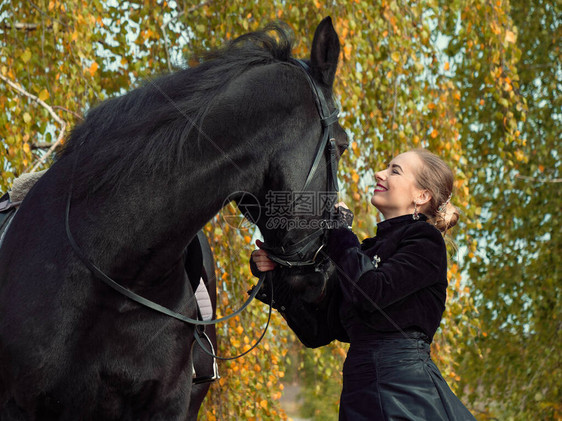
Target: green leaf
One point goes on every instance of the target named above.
(26, 56)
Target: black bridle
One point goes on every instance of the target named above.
(305, 252)
(291, 255)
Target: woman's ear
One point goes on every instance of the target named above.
(424, 197)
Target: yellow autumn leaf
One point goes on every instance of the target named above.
(355, 177)
(26, 148)
(43, 95)
(510, 36)
(446, 66)
(519, 155)
(26, 117)
(434, 134)
(263, 404)
(395, 56)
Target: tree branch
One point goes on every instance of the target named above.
(166, 46)
(189, 10)
(75, 114)
(50, 110)
(539, 180)
(165, 26)
(22, 26)
(41, 145)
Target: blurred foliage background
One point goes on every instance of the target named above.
(476, 81)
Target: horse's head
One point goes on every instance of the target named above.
(300, 188)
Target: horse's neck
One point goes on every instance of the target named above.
(147, 226)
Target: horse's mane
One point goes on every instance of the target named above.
(148, 128)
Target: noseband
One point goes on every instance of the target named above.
(304, 253)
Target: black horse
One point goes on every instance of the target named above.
(146, 171)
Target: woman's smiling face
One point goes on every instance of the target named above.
(397, 187)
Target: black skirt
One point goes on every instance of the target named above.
(395, 379)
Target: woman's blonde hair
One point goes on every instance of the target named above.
(436, 177)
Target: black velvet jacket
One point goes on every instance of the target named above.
(395, 280)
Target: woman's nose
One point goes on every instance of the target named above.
(380, 175)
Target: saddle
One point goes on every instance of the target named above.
(10, 201)
(7, 212)
(199, 263)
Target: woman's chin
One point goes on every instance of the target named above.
(375, 202)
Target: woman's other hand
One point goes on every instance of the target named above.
(263, 263)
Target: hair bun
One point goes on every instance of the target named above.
(447, 218)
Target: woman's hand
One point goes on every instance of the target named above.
(341, 204)
(263, 263)
(344, 215)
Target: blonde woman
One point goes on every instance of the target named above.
(390, 297)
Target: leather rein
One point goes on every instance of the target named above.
(290, 256)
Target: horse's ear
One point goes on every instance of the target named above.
(325, 52)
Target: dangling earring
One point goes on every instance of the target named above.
(416, 215)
